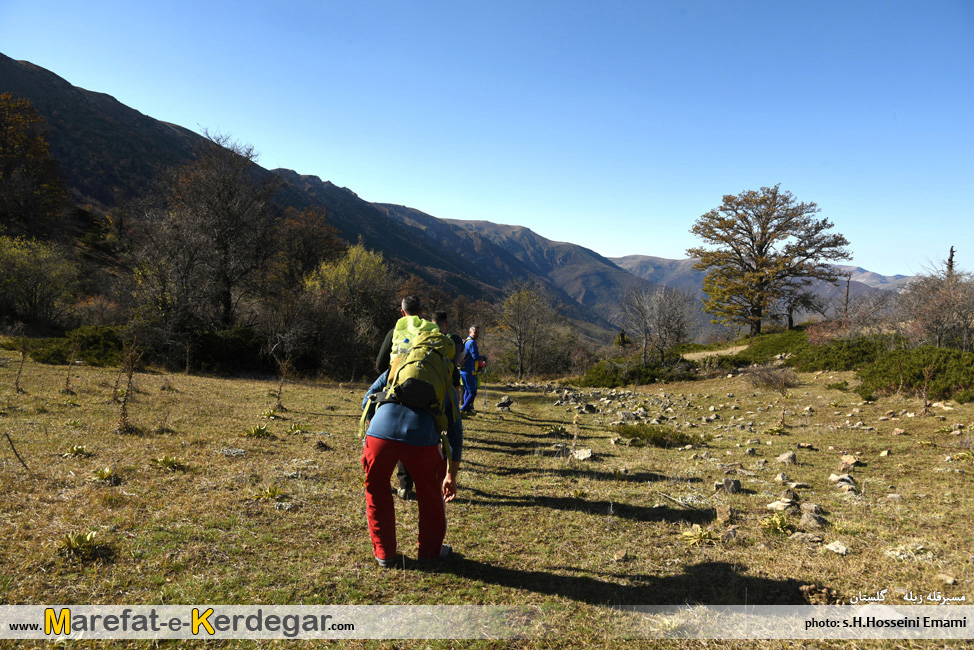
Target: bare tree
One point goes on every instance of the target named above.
(526, 320)
(659, 318)
(938, 308)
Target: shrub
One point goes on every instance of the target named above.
(938, 372)
(658, 436)
(964, 396)
(843, 354)
(774, 378)
(95, 345)
(612, 373)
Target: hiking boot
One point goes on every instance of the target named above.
(385, 564)
(445, 551)
(404, 494)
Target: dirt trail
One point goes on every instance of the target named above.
(697, 356)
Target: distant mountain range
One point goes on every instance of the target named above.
(109, 151)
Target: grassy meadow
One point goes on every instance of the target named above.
(214, 498)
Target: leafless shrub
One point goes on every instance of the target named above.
(773, 378)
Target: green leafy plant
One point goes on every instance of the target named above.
(555, 430)
(78, 451)
(257, 431)
(273, 492)
(776, 431)
(107, 475)
(79, 544)
(698, 536)
(777, 524)
(296, 428)
(270, 414)
(170, 463)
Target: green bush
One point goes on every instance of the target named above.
(761, 350)
(95, 345)
(612, 373)
(964, 396)
(658, 436)
(840, 355)
(951, 372)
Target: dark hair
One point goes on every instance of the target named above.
(440, 317)
(412, 305)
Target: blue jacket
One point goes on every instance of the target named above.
(472, 356)
(412, 426)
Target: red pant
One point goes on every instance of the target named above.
(428, 469)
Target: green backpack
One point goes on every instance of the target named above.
(421, 377)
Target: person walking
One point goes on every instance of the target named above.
(472, 362)
(401, 433)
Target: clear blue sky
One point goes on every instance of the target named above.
(614, 125)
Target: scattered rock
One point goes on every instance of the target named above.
(812, 508)
(750, 451)
(799, 486)
(505, 402)
(838, 548)
(621, 556)
(582, 454)
(789, 458)
(730, 534)
(782, 478)
(788, 495)
(725, 514)
(898, 432)
(849, 459)
(884, 453)
(732, 486)
(894, 497)
(810, 521)
(946, 579)
(806, 445)
(808, 538)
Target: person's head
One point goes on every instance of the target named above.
(474, 332)
(441, 320)
(412, 306)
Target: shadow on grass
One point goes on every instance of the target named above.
(632, 477)
(708, 583)
(606, 508)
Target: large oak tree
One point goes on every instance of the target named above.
(761, 249)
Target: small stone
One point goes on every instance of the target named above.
(621, 556)
(849, 459)
(725, 514)
(808, 538)
(946, 579)
(750, 451)
(781, 505)
(884, 453)
(898, 432)
(730, 534)
(799, 486)
(782, 478)
(731, 486)
(812, 508)
(583, 454)
(788, 495)
(848, 489)
(789, 458)
(506, 401)
(812, 521)
(838, 548)
(845, 467)
(806, 445)
(894, 497)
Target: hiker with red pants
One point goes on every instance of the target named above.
(400, 432)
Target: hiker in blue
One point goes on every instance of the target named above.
(472, 362)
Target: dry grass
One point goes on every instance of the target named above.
(280, 519)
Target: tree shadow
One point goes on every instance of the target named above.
(605, 508)
(707, 583)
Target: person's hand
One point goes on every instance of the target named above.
(449, 488)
